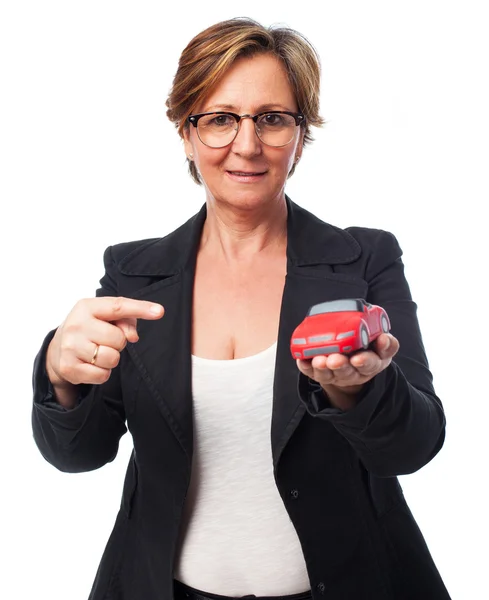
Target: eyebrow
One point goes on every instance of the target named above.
(232, 108)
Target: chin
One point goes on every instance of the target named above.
(247, 195)
(249, 198)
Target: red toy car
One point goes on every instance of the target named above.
(338, 326)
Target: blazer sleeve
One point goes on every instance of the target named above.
(85, 437)
(398, 424)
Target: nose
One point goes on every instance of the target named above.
(247, 143)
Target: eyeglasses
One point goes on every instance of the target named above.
(219, 129)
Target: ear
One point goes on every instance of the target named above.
(300, 146)
(189, 149)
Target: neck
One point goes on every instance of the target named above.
(241, 234)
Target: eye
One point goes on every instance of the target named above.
(273, 119)
(221, 121)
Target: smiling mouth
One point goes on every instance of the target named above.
(247, 173)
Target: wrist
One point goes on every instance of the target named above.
(343, 398)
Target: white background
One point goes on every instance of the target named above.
(88, 159)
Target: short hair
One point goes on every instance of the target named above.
(211, 53)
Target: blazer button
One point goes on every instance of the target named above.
(294, 494)
(321, 587)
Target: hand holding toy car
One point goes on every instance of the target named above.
(322, 345)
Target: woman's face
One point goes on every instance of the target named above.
(252, 85)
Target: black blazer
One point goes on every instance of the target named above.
(335, 471)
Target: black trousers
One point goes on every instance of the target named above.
(184, 592)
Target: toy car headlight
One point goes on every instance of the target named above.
(299, 340)
(345, 334)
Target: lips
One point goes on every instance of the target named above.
(247, 173)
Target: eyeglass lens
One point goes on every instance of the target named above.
(273, 129)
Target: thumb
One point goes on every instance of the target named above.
(129, 328)
(387, 345)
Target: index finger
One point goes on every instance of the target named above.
(109, 308)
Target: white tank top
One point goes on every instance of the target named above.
(236, 536)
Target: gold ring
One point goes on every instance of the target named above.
(94, 357)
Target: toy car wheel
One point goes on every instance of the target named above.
(364, 337)
(384, 324)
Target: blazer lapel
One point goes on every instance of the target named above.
(163, 271)
(313, 248)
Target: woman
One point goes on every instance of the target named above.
(252, 473)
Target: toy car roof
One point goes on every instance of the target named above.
(344, 305)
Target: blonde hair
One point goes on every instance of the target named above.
(210, 54)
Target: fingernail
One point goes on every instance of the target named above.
(155, 309)
(388, 343)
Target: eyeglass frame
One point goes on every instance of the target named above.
(299, 118)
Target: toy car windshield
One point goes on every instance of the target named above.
(337, 306)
